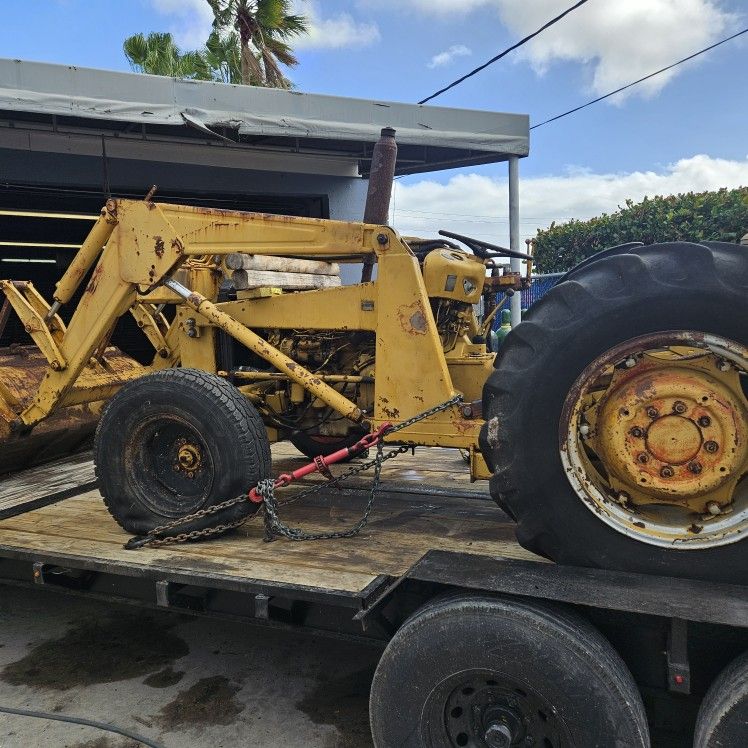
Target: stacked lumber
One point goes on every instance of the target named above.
(291, 274)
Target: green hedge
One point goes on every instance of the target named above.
(703, 216)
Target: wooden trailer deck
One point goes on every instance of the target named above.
(425, 503)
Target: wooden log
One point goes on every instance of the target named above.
(238, 261)
(244, 280)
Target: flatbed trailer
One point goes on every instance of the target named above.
(438, 577)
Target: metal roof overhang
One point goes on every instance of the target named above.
(130, 106)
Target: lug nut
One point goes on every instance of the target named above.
(679, 406)
(584, 429)
(711, 446)
(667, 472)
(705, 421)
(714, 508)
(643, 458)
(630, 362)
(637, 432)
(694, 467)
(653, 412)
(722, 365)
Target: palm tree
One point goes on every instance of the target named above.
(158, 54)
(264, 27)
(223, 55)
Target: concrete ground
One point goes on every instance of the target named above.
(173, 679)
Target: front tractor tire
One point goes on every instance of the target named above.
(174, 442)
(617, 415)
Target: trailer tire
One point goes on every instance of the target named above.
(723, 716)
(633, 293)
(467, 664)
(176, 441)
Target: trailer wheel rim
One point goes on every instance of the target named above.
(654, 439)
(170, 464)
(478, 708)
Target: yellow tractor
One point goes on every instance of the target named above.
(613, 423)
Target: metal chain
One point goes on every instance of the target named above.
(274, 527)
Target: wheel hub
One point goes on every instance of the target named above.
(188, 456)
(482, 711)
(660, 428)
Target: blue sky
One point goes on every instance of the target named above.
(685, 131)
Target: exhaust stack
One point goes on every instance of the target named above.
(381, 178)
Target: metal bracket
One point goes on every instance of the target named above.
(38, 571)
(262, 606)
(163, 588)
(678, 667)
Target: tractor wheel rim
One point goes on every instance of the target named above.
(171, 465)
(654, 439)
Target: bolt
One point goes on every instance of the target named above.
(711, 446)
(705, 421)
(679, 406)
(623, 498)
(467, 411)
(694, 467)
(714, 508)
(643, 458)
(630, 362)
(382, 239)
(667, 471)
(498, 735)
(190, 474)
(722, 365)
(653, 412)
(637, 432)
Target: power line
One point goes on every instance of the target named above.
(505, 52)
(641, 80)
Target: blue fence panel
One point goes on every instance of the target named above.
(539, 287)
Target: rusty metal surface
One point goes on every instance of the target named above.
(22, 368)
(654, 438)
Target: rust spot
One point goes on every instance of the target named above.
(159, 246)
(177, 246)
(195, 299)
(95, 278)
(413, 318)
(393, 413)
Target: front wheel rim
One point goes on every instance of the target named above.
(654, 439)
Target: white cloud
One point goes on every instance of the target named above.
(476, 205)
(335, 32)
(444, 58)
(618, 41)
(191, 20)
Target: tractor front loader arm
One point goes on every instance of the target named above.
(144, 244)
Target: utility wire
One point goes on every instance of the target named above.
(641, 80)
(505, 52)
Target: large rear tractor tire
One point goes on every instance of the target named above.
(174, 442)
(617, 415)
